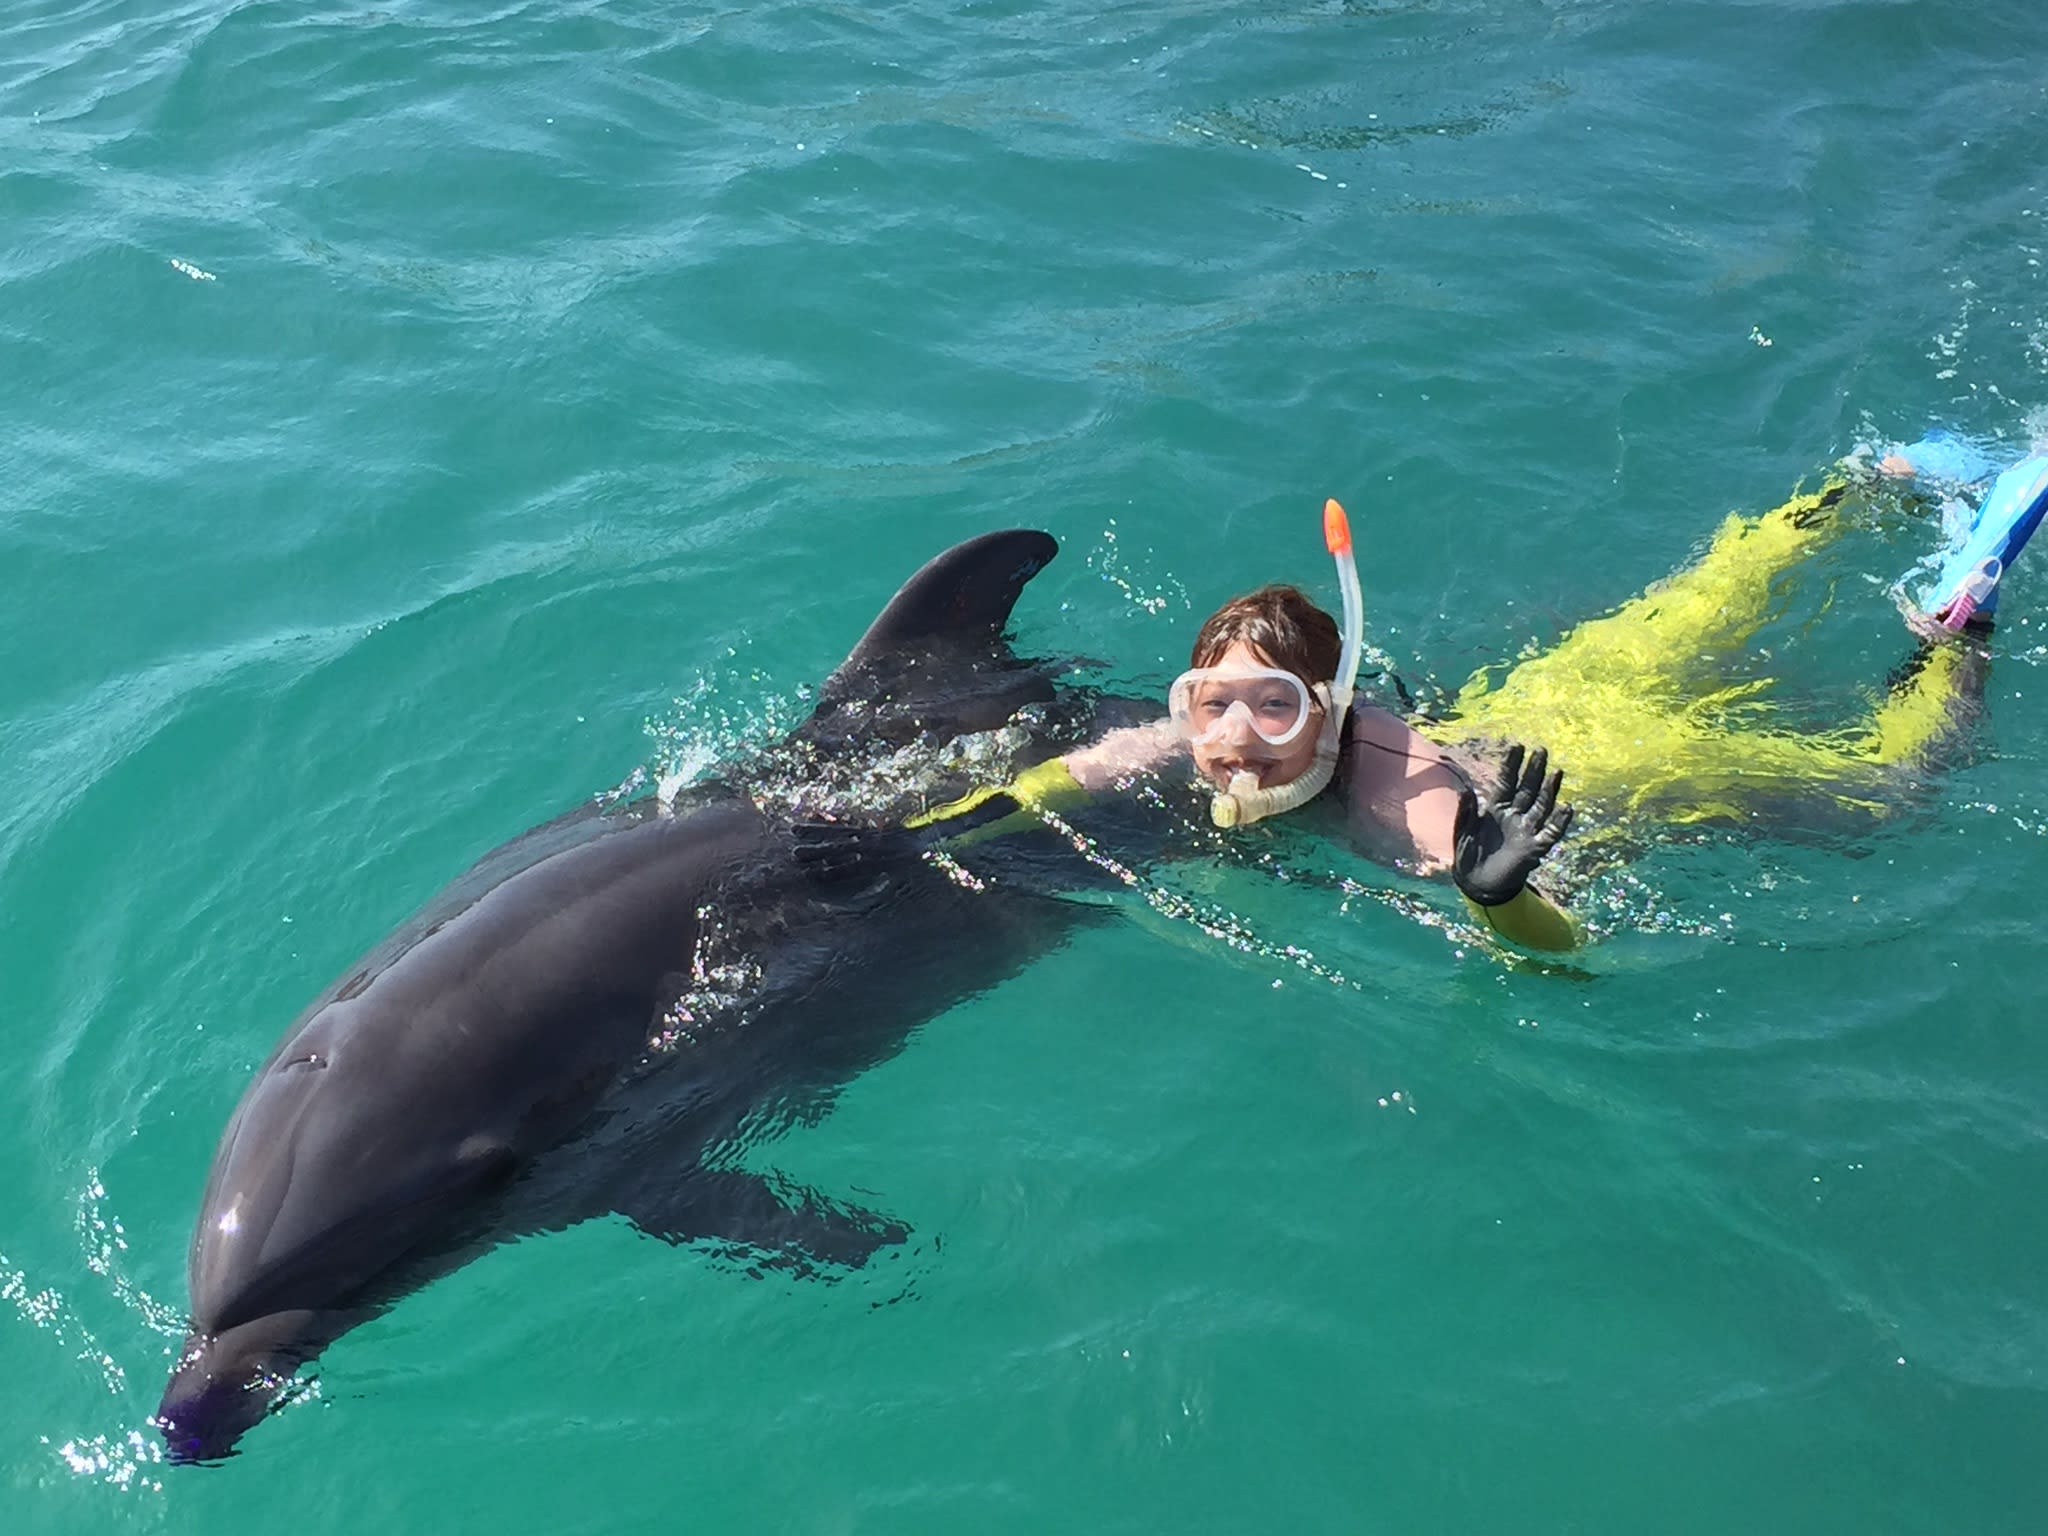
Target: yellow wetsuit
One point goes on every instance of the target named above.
(1635, 710)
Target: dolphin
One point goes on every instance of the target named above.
(590, 1016)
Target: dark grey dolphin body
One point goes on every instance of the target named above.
(582, 1022)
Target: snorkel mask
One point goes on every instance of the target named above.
(1213, 704)
(1208, 703)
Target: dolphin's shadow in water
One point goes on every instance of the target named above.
(596, 1014)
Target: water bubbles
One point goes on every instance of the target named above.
(126, 1461)
(725, 976)
(122, 1460)
(1108, 561)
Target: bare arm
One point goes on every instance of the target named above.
(1401, 793)
(1121, 753)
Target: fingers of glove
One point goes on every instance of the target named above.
(1507, 774)
(1561, 820)
(1531, 783)
(819, 839)
(1468, 812)
(1464, 842)
(1554, 827)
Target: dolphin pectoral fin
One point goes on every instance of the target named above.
(796, 1227)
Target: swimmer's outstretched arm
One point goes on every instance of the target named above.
(1501, 833)
(1123, 752)
(1056, 784)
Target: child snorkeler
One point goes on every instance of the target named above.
(1634, 702)
(1265, 717)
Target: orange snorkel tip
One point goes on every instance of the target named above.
(1336, 528)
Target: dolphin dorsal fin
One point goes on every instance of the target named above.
(963, 596)
(933, 663)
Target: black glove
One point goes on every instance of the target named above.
(1499, 841)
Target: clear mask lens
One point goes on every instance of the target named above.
(1213, 705)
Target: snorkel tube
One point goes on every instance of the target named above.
(1337, 539)
(1245, 802)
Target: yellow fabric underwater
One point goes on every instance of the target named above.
(1634, 708)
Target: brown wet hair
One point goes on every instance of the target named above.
(1282, 625)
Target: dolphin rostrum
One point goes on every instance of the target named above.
(585, 1019)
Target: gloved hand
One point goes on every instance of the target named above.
(1499, 840)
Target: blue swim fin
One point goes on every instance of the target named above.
(1970, 573)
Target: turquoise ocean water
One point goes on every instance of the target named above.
(416, 418)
